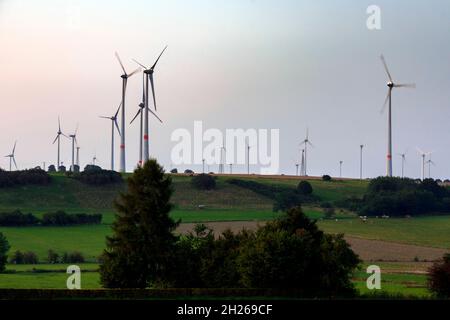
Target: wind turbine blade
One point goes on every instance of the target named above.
(309, 142)
(405, 85)
(14, 148)
(153, 90)
(117, 112)
(154, 65)
(385, 102)
(135, 71)
(386, 68)
(103, 117)
(55, 139)
(140, 64)
(76, 130)
(14, 160)
(120, 61)
(155, 115)
(59, 125)
(420, 151)
(139, 111)
(117, 127)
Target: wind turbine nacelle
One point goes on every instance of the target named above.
(390, 84)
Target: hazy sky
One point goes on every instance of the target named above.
(232, 64)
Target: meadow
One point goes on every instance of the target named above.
(226, 203)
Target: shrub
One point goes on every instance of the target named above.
(188, 171)
(72, 257)
(52, 257)
(174, 170)
(4, 248)
(51, 168)
(326, 177)
(439, 277)
(17, 257)
(304, 188)
(94, 176)
(23, 177)
(17, 219)
(203, 182)
(30, 257)
(61, 218)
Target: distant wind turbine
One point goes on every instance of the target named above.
(11, 157)
(124, 77)
(403, 155)
(58, 137)
(113, 124)
(430, 162)
(149, 76)
(391, 85)
(306, 142)
(340, 168)
(74, 141)
(423, 155)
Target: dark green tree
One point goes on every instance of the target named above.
(4, 247)
(439, 277)
(138, 254)
(304, 188)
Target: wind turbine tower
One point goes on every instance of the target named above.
(113, 124)
(305, 151)
(124, 77)
(11, 157)
(391, 85)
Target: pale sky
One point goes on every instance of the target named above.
(286, 64)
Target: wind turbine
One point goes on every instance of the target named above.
(74, 141)
(11, 157)
(58, 137)
(306, 142)
(124, 77)
(77, 162)
(403, 155)
(113, 123)
(423, 155)
(148, 73)
(248, 156)
(141, 113)
(430, 162)
(340, 168)
(391, 85)
(94, 159)
(361, 147)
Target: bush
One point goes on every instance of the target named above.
(61, 218)
(4, 248)
(28, 257)
(326, 177)
(203, 182)
(51, 168)
(52, 257)
(17, 219)
(439, 277)
(23, 177)
(94, 175)
(174, 170)
(188, 171)
(72, 257)
(304, 188)
(402, 196)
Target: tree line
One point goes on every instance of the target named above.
(59, 218)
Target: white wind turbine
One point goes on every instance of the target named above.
(113, 123)
(11, 157)
(142, 113)
(74, 141)
(124, 77)
(403, 155)
(58, 137)
(391, 85)
(148, 73)
(423, 155)
(306, 142)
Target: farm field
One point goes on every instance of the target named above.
(48, 276)
(408, 244)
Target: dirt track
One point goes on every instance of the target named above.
(368, 250)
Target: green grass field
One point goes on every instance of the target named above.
(426, 231)
(55, 277)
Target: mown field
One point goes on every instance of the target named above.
(226, 203)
